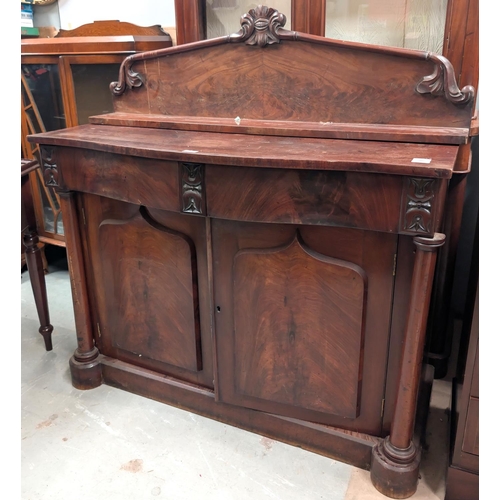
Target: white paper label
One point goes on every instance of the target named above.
(421, 160)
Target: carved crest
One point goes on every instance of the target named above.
(261, 26)
(442, 81)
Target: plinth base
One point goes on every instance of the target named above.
(86, 374)
(392, 478)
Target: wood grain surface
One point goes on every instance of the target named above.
(293, 80)
(289, 128)
(259, 151)
(148, 270)
(151, 290)
(298, 325)
(310, 336)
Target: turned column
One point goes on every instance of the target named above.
(396, 460)
(84, 364)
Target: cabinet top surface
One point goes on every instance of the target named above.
(425, 160)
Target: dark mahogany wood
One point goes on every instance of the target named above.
(85, 368)
(461, 45)
(396, 459)
(139, 287)
(271, 352)
(461, 484)
(463, 471)
(322, 130)
(165, 327)
(241, 235)
(33, 254)
(461, 48)
(389, 203)
(309, 16)
(316, 96)
(189, 20)
(261, 151)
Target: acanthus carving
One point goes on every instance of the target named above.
(261, 26)
(192, 192)
(442, 81)
(418, 196)
(49, 167)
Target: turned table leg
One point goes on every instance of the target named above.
(37, 278)
(84, 364)
(396, 459)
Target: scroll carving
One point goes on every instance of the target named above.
(49, 167)
(442, 81)
(418, 196)
(127, 77)
(192, 192)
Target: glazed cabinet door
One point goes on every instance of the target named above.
(302, 319)
(149, 276)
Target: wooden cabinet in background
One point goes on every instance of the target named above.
(463, 472)
(64, 80)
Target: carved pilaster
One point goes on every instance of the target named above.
(192, 188)
(417, 214)
(49, 166)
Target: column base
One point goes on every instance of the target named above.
(86, 372)
(395, 472)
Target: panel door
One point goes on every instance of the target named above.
(150, 280)
(302, 317)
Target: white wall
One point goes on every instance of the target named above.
(74, 13)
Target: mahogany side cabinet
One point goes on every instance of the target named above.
(252, 235)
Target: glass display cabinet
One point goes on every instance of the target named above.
(64, 80)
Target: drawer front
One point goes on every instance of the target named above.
(388, 203)
(141, 181)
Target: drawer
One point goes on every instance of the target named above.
(379, 202)
(150, 182)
